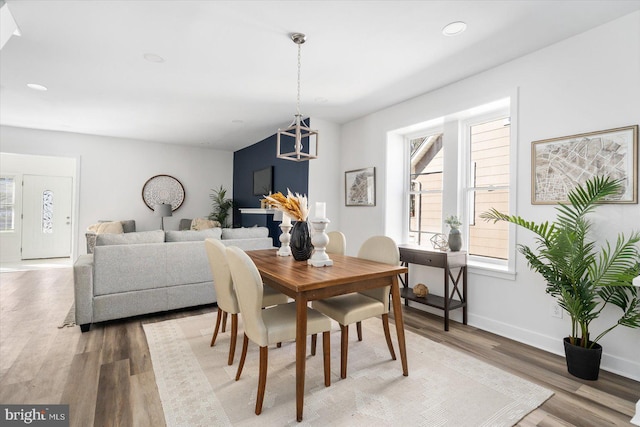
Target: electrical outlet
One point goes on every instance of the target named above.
(556, 310)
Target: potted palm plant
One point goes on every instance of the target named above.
(220, 205)
(582, 276)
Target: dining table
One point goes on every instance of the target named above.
(304, 283)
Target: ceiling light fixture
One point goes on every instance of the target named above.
(297, 132)
(152, 57)
(36, 86)
(454, 28)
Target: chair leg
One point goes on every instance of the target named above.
(344, 343)
(262, 378)
(234, 336)
(314, 341)
(216, 328)
(359, 329)
(243, 356)
(387, 335)
(326, 353)
(224, 321)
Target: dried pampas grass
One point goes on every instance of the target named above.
(293, 205)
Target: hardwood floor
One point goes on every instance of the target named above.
(106, 377)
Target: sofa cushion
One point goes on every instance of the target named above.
(155, 236)
(111, 227)
(245, 233)
(192, 235)
(203, 224)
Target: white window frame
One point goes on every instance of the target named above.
(427, 131)
(481, 264)
(15, 201)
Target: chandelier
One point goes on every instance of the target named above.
(297, 132)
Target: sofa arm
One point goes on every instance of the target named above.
(91, 241)
(83, 290)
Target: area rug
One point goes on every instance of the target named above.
(444, 387)
(70, 318)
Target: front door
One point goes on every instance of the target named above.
(46, 223)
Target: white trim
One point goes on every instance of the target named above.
(618, 365)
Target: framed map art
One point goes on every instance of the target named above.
(560, 164)
(360, 187)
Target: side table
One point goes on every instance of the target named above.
(449, 261)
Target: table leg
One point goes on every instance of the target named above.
(301, 351)
(397, 315)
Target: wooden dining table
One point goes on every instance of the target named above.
(305, 283)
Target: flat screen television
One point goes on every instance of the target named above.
(263, 181)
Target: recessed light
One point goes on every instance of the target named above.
(454, 28)
(36, 86)
(152, 57)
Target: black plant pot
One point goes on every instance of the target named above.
(300, 243)
(583, 362)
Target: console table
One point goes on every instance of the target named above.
(448, 261)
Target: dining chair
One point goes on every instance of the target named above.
(225, 295)
(270, 325)
(337, 243)
(358, 306)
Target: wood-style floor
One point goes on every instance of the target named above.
(106, 376)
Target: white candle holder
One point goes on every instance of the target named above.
(319, 239)
(284, 238)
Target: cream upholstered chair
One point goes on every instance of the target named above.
(358, 306)
(337, 243)
(271, 325)
(226, 297)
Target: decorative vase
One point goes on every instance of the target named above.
(583, 362)
(455, 240)
(300, 243)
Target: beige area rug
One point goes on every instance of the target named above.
(70, 318)
(444, 387)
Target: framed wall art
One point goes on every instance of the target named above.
(163, 189)
(360, 187)
(560, 164)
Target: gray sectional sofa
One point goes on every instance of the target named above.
(137, 273)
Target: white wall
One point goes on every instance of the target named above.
(325, 176)
(586, 83)
(112, 172)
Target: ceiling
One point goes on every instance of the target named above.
(229, 73)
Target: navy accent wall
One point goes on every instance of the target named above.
(286, 174)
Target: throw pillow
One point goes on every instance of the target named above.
(155, 236)
(112, 227)
(244, 233)
(192, 235)
(203, 224)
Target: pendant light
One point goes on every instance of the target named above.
(297, 132)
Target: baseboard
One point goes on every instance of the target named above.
(617, 365)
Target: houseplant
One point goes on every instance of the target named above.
(220, 205)
(582, 276)
(455, 238)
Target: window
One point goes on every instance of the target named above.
(425, 184)
(487, 186)
(47, 211)
(7, 203)
(462, 164)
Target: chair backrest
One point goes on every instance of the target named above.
(222, 282)
(337, 243)
(381, 249)
(248, 287)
